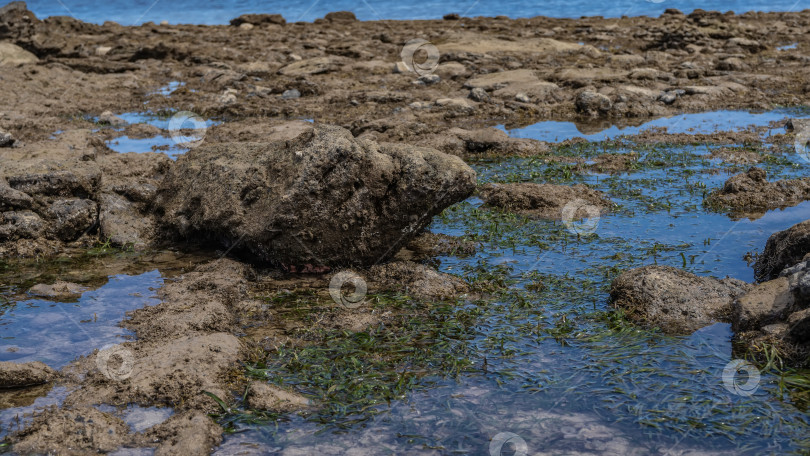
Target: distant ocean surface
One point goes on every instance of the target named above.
(129, 12)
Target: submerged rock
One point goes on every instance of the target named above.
(435, 244)
(59, 291)
(418, 280)
(188, 433)
(263, 396)
(13, 375)
(80, 430)
(540, 200)
(323, 198)
(107, 117)
(751, 192)
(675, 300)
(783, 249)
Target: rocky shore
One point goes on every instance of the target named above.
(270, 193)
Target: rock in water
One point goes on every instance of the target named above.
(542, 200)
(322, 198)
(783, 249)
(751, 193)
(13, 375)
(675, 300)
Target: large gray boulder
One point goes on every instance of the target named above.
(675, 300)
(323, 198)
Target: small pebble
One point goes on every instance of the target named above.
(478, 94)
(429, 79)
(291, 94)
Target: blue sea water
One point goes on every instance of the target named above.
(133, 12)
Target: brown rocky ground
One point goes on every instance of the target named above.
(71, 190)
(187, 347)
(345, 71)
(256, 76)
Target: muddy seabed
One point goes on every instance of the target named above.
(494, 321)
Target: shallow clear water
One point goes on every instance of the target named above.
(113, 283)
(56, 332)
(139, 418)
(705, 122)
(177, 135)
(220, 12)
(16, 406)
(548, 364)
(169, 88)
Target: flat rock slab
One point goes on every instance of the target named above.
(676, 301)
(324, 198)
(475, 44)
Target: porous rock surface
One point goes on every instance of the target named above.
(673, 299)
(323, 198)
